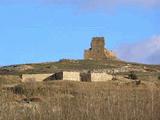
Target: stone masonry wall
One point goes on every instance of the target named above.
(95, 77)
(70, 76)
(35, 77)
(73, 76)
(97, 50)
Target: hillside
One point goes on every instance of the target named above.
(111, 66)
(121, 98)
(67, 64)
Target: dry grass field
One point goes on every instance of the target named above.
(64, 100)
(59, 100)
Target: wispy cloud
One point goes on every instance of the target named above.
(147, 51)
(92, 4)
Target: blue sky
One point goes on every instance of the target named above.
(41, 31)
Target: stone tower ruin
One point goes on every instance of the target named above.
(98, 50)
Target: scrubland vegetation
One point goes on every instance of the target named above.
(59, 100)
(133, 96)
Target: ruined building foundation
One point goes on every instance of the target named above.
(65, 75)
(35, 77)
(96, 77)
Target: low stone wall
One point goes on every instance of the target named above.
(70, 76)
(73, 76)
(35, 77)
(95, 77)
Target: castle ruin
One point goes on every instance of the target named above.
(98, 50)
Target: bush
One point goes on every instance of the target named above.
(18, 89)
(159, 77)
(132, 76)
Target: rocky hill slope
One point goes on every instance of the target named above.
(60, 100)
(115, 67)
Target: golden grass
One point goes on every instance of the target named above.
(80, 101)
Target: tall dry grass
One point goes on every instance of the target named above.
(81, 101)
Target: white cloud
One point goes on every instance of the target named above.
(116, 3)
(92, 4)
(147, 51)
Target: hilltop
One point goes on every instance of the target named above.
(99, 64)
(97, 59)
(109, 65)
(131, 94)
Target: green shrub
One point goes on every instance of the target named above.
(18, 89)
(159, 77)
(132, 76)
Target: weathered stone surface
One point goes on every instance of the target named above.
(96, 77)
(35, 77)
(98, 50)
(65, 75)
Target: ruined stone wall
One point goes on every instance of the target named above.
(70, 76)
(97, 50)
(109, 54)
(95, 77)
(35, 77)
(88, 54)
(73, 76)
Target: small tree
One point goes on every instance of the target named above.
(132, 76)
